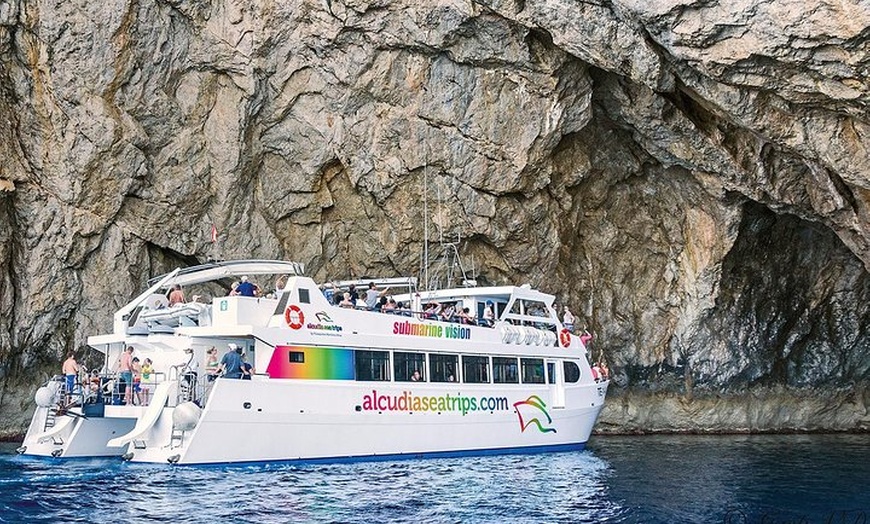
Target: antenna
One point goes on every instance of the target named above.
(426, 221)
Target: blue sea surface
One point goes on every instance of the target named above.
(649, 479)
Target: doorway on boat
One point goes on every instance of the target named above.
(556, 382)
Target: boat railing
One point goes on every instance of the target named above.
(191, 387)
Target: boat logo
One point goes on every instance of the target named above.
(535, 407)
(565, 338)
(324, 323)
(294, 316)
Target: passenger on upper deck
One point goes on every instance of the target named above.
(448, 312)
(372, 295)
(279, 286)
(586, 338)
(432, 310)
(389, 305)
(248, 289)
(347, 301)
(465, 317)
(328, 292)
(354, 296)
(176, 296)
(568, 320)
(234, 290)
(488, 316)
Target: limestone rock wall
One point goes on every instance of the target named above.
(693, 178)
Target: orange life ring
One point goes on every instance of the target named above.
(294, 316)
(565, 338)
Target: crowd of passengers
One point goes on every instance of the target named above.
(374, 299)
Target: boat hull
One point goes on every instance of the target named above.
(75, 436)
(277, 420)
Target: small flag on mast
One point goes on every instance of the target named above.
(213, 233)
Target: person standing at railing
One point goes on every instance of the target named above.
(248, 289)
(212, 364)
(125, 368)
(568, 319)
(488, 315)
(247, 369)
(137, 379)
(231, 363)
(70, 370)
(147, 370)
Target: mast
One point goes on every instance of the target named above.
(426, 222)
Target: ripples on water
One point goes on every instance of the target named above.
(734, 479)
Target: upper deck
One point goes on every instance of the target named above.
(513, 319)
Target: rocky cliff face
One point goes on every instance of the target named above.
(693, 178)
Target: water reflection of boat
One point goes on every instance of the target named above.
(329, 382)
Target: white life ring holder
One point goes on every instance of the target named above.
(294, 316)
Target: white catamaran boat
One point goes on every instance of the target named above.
(329, 382)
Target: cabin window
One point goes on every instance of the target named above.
(407, 363)
(372, 365)
(304, 297)
(443, 368)
(572, 372)
(297, 357)
(532, 370)
(551, 372)
(504, 370)
(475, 370)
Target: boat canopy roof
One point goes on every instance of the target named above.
(236, 268)
(483, 293)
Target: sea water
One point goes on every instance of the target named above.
(650, 479)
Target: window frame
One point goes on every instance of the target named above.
(404, 367)
(385, 365)
(528, 366)
(505, 370)
(470, 375)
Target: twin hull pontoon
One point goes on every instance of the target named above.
(330, 382)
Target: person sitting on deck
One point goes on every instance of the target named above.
(346, 301)
(176, 296)
(389, 306)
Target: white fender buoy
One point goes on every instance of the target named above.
(45, 396)
(185, 416)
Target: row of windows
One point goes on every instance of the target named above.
(471, 369)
